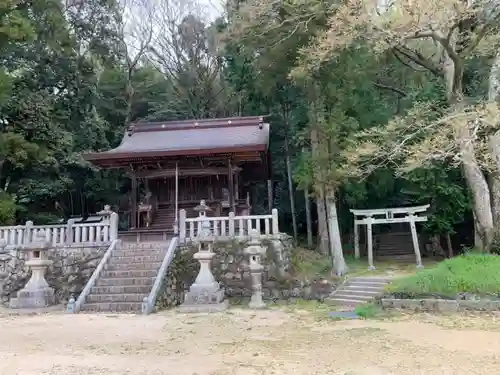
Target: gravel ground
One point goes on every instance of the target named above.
(242, 342)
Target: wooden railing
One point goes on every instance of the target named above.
(226, 227)
(60, 235)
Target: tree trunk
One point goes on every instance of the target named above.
(290, 189)
(476, 180)
(494, 148)
(323, 238)
(308, 219)
(449, 245)
(339, 265)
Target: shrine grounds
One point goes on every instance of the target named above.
(285, 340)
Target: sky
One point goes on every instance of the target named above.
(214, 8)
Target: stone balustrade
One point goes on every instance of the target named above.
(62, 235)
(228, 227)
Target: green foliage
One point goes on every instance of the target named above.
(368, 310)
(7, 209)
(470, 273)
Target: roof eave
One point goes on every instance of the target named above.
(111, 155)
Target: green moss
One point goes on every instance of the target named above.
(472, 273)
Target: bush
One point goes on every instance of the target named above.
(7, 209)
(477, 274)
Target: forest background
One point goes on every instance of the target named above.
(371, 104)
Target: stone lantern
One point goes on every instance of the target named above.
(205, 295)
(255, 251)
(36, 292)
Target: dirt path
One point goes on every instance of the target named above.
(241, 342)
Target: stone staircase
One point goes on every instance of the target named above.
(127, 278)
(395, 246)
(358, 290)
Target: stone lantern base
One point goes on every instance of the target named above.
(36, 293)
(30, 299)
(203, 299)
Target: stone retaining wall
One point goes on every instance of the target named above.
(68, 274)
(440, 305)
(229, 267)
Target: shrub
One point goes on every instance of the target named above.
(471, 273)
(7, 209)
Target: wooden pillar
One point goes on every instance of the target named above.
(231, 186)
(414, 237)
(269, 195)
(369, 241)
(356, 240)
(176, 221)
(237, 185)
(134, 201)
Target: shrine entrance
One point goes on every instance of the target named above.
(387, 216)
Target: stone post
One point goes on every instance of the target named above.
(36, 292)
(69, 231)
(255, 251)
(113, 226)
(231, 228)
(205, 295)
(28, 230)
(182, 224)
(275, 226)
(4, 257)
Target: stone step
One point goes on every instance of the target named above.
(143, 245)
(125, 281)
(358, 293)
(375, 279)
(129, 297)
(122, 307)
(344, 301)
(140, 252)
(137, 259)
(129, 273)
(358, 288)
(357, 297)
(121, 289)
(132, 266)
(368, 287)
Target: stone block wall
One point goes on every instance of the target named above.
(229, 267)
(70, 271)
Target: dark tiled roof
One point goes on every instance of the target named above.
(190, 137)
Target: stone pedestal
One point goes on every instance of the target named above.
(255, 251)
(37, 292)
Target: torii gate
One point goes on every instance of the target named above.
(389, 218)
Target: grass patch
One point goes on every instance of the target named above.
(368, 310)
(310, 264)
(477, 274)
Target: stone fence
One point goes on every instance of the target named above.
(229, 227)
(70, 234)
